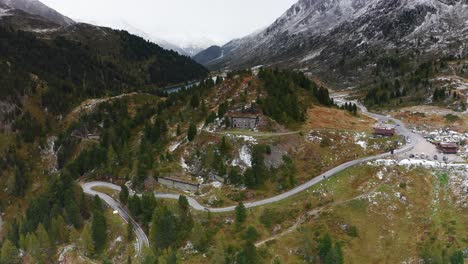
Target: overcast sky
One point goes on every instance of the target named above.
(178, 21)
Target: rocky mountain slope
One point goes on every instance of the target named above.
(35, 7)
(210, 54)
(340, 39)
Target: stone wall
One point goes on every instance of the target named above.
(176, 184)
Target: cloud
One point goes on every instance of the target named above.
(178, 21)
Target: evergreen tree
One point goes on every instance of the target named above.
(112, 159)
(163, 229)
(179, 130)
(20, 182)
(130, 234)
(192, 132)
(123, 195)
(241, 214)
(42, 238)
(325, 245)
(86, 240)
(168, 257)
(58, 230)
(457, 258)
(235, 177)
(9, 254)
(98, 225)
(195, 101)
(148, 203)
(32, 246)
(134, 205)
(148, 257)
(185, 218)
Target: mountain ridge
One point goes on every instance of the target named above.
(35, 7)
(316, 36)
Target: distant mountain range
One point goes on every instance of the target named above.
(341, 40)
(188, 48)
(210, 54)
(37, 8)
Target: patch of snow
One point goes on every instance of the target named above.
(200, 180)
(4, 12)
(43, 30)
(313, 55)
(217, 184)
(174, 146)
(380, 175)
(245, 156)
(361, 143)
(183, 164)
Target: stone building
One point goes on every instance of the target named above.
(244, 120)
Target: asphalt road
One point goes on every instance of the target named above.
(143, 240)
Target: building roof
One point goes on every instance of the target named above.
(384, 126)
(448, 145)
(243, 115)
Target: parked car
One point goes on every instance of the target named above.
(411, 156)
(435, 157)
(445, 158)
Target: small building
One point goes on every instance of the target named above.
(448, 148)
(384, 130)
(244, 120)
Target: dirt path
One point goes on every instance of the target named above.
(312, 213)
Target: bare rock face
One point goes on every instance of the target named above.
(322, 36)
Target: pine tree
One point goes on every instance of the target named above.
(179, 131)
(163, 228)
(168, 257)
(192, 132)
(111, 159)
(241, 214)
(99, 230)
(43, 238)
(148, 203)
(31, 245)
(123, 196)
(86, 240)
(130, 234)
(457, 258)
(148, 257)
(134, 205)
(9, 253)
(195, 101)
(186, 220)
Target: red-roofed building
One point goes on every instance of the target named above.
(448, 148)
(384, 131)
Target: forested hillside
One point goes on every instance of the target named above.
(73, 69)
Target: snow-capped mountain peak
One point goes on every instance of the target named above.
(318, 35)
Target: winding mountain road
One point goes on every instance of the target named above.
(88, 188)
